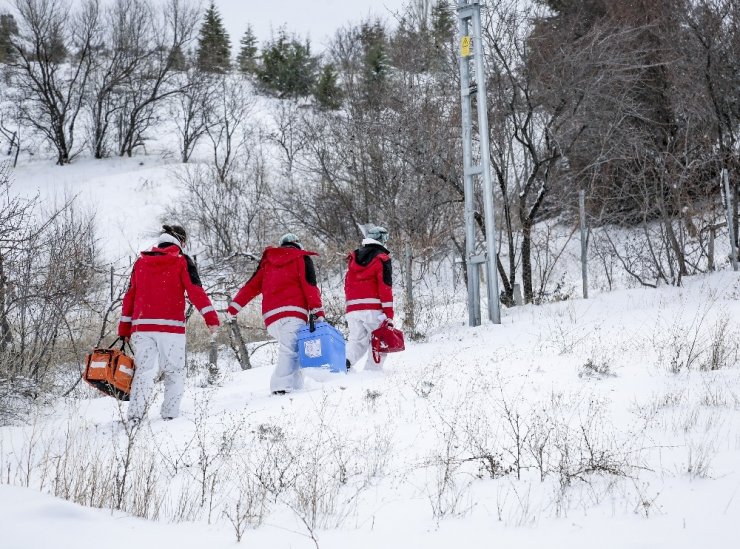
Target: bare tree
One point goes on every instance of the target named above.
(227, 125)
(54, 49)
(49, 278)
(126, 42)
(526, 136)
(231, 216)
(156, 79)
(715, 26)
(190, 109)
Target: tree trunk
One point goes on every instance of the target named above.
(61, 145)
(527, 261)
(673, 240)
(5, 335)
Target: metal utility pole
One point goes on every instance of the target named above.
(471, 56)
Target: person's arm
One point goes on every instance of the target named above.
(307, 275)
(127, 309)
(193, 271)
(248, 292)
(197, 295)
(385, 287)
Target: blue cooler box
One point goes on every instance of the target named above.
(323, 348)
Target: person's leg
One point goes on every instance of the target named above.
(372, 323)
(172, 359)
(146, 359)
(358, 341)
(287, 375)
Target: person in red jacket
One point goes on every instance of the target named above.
(368, 290)
(286, 278)
(153, 316)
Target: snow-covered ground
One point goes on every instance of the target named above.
(627, 438)
(612, 421)
(127, 196)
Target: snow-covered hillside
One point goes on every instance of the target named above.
(613, 421)
(126, 196)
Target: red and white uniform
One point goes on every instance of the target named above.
(368, 284)
(153, 314)
(155, 300)
(368, 289)
(287, 281)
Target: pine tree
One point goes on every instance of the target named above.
(443, 23)
(247, 58)
(8, 28)
(177, 59)
(327, 92)
(375, 60)
(214, 49)
(288, 67)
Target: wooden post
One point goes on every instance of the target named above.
(240, 346)
(730, 218)
(409, 321)
(584, 242)
(212, 360)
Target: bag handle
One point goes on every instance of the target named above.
(123, 343)
(311, 323)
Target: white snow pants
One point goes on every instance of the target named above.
(287, 375)
(361, 325)
(155, 352)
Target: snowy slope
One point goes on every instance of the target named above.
(127, 196)
(626, 408)
(409, 436)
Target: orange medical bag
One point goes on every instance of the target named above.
(110, 370)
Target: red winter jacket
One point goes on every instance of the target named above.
(155, 300)
(368, 284)
(287, 281)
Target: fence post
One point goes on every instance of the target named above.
(410, 320)
(584, 242)
(730, 219)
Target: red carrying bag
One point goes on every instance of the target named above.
(386, 339)
(110, 370)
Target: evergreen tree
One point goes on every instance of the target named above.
(375, 60)
(8, 28)
(247, 58)
(443, 23)
(327, 92)
(288, 67)
(177, 59)
(214, 49)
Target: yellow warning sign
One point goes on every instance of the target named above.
(465, 46)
